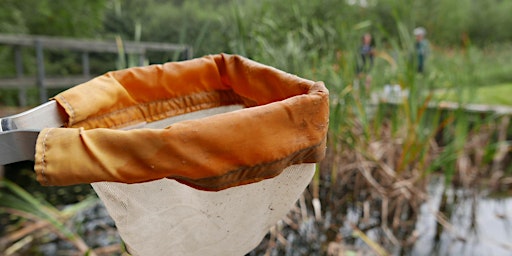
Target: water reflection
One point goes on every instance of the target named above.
(469, 222)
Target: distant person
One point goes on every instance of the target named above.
(365, 58)
(366, 54)
(421, 47)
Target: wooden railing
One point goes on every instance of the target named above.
(40, 43)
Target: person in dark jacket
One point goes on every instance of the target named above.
(365, 57)
(366, 54)
(421, 47)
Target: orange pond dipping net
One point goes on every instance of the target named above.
(199, 157)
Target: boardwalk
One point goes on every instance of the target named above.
(40, 44)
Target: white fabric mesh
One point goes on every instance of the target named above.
(165, 217)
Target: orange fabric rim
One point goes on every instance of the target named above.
(284, 122)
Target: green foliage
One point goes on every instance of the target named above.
(197, 23)
(490, 21)
(80, 18)
(489, 95)
(19, 202)
(448, 22)
(12, 18)
(257, 29)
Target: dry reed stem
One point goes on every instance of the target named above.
(108, 250)
(11, 250)
(271, 241)
(290, 223)
(20, 233)
(372, 244)
(77, 241)
(503, 147)
(392, 238)
(303, 207)
(443, 221)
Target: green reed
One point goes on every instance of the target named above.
(19, 202)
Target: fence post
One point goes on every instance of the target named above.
(43, 94)
(190, 53)
(142, 58)
(22, 92)
(85, 65)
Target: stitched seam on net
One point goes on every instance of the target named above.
(70, 107)
(168, 113)
(211, 95)
(43, 158)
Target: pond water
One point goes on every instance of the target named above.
(477, 224)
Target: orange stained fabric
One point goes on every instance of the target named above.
(284, 122)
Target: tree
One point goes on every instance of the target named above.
(78, 18)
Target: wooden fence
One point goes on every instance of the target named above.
(40, 43)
